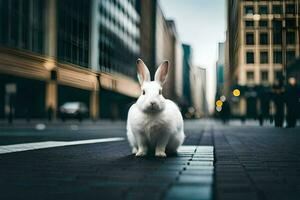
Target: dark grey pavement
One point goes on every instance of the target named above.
(249, 162)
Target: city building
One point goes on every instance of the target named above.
(187, 66)
(147, 12)
(220, 71)
(198, 92)
(293, 70)
(263, 38)
(53, 52)
(159, 42)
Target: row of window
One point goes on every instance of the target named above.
(274, 9)
(111, 54)
(22, 24)
(290, 23)
(264, 75)
(118, 37)
(264, 38)
(119, 18)
(264, 56)
(73, 32)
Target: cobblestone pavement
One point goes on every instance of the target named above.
(256, 163)
(216, 162)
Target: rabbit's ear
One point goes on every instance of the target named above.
(143, 72)
(162, 72)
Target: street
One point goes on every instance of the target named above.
(216, 162)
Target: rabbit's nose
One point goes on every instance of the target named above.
(153, 103)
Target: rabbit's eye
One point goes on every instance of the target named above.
(144, 92)
(160, 92)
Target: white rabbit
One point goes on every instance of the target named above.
(153, 121)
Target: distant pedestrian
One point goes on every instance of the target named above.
(28, 114)
(261, 119)
(292, 98)
(225, 112)
(243, 119)
(50, 113)
(278, 97)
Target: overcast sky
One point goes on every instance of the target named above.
(201, 23)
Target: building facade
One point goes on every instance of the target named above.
(263, 38)
(220, 71)
(159, 42)
(198, 92)
(53, 52)
(187, 66)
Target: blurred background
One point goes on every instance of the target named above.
(75, 58)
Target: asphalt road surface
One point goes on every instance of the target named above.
(92, 160)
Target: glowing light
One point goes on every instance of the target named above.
(256, 17)
(219, 103)
(223, 98)
(236, 92)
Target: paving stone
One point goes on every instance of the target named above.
(201, 163)
(189, 192)
(196, 179)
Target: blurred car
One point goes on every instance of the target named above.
(76, 110)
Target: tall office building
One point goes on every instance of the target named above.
(187, 66)
(198, 91)
(220, 71)
(159, 42)
(55, 51)
(263, 38)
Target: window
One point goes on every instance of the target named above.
(278, 75)
(264, 57)
(290, 9)
(73, 32)
(277, 36)
(277, 9)
(290, 37)
(250, 57)
(277, 57)
(277, 25)
(263, 38)
(249, 10)
(250, 38)
(263, 23)
(249, 24)
(22, 25)
(250, 75)
(264, 75)
(263, 10)
(290, 23)
(277, 31)
(290, 55)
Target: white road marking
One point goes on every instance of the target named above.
(50, 144)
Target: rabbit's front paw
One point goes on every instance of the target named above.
(141, 153)
(160, 154)
(134, 150)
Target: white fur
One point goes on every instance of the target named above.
(153, 121)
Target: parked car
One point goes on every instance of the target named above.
(76, 110)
